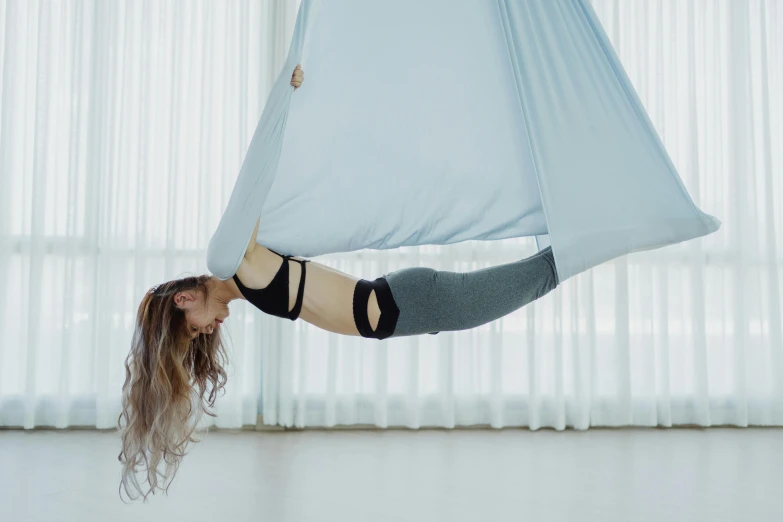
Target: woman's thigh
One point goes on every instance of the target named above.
(437, 300)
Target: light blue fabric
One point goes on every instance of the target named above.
(437, 122)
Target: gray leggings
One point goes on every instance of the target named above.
(431, 301)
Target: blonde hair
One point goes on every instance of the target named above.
(167, 373)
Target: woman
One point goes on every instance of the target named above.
(177, 347)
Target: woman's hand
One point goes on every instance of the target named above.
(298, 77)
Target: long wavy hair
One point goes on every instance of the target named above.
(167, 374)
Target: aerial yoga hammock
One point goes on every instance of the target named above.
(438, 122)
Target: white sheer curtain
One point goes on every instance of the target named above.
(123, 126)
(687, 334)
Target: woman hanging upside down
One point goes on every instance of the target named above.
(177, 343)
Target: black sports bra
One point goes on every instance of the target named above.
(273, 298)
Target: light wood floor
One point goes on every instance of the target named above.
(719, 474)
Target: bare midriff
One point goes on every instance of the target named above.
(328, 293)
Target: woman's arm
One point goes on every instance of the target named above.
(296, 80)
(252, 244)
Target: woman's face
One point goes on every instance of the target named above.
(203, 316)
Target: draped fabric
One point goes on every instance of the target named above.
(438, 122)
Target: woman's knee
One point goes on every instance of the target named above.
(416, 280)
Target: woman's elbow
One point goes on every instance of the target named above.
(218, 263)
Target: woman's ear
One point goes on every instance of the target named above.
(185, 299)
